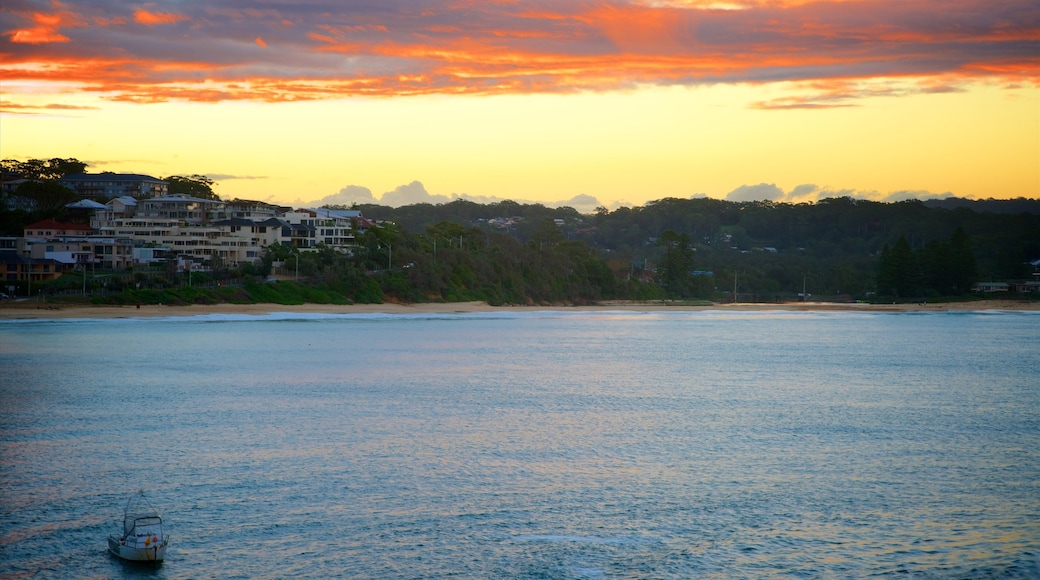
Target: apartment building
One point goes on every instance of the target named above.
(198, 233)
(108, 185)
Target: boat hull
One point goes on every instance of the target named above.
(153, 553)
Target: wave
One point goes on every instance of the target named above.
(505, 314)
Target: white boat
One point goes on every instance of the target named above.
(143, 538)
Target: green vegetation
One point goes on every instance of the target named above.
(194, 185)
(529, 254)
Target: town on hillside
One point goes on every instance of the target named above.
(140, 223)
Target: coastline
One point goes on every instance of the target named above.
(27, 310)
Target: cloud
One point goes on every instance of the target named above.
(43, 27)
(837, 52)
(802, 191)
(226, 176)
(411, 194)
(760, 192)
(415, 193)
(919, 194)
(583, 203)
(347, 196)
(811, 193)
(157, 18)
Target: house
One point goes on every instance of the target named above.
(243, 240)
(9, 185)
(183, 208)
(71, 252)
(254, 210)
(50, 228)
(108, 185)
(335, 227)
(83, 210)
(1029, 287)
(118, 207)
(301, 223)
(16, 267)
(990, 287)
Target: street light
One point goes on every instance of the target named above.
(297, 254)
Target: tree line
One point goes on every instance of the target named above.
(701, 248)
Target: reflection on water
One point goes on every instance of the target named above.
(537, 445)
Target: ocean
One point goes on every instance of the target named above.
(527, 444)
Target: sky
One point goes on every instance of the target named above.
(562, 102)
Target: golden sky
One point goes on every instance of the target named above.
(579, 102)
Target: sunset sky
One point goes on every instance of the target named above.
(574, 102)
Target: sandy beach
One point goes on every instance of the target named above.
(30, 309)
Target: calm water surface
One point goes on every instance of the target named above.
(527, 445)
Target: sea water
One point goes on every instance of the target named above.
(527, 444)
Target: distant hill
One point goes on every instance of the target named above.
(1009, 206)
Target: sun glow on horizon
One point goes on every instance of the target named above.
(624, 101)
(620, 147)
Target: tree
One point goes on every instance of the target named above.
(676, 265)
(50, 195)
(39, 169)
(547, 234)
(194, 185)
(896, 272)
(964, 269)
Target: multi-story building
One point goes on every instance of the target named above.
(108, 185)
(254, 210)
(9, 197)
(106, 252)
(15, 267)
(116, 208)
(53, 229)
(332, 228)
(184, 208)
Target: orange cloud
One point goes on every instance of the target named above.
(38, 35)
(47, 25)
(335, 47)
(147, 18)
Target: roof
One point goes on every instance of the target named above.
(235, 222)
(13, 258)
(86, 204)
(124, 199)
(109, 177)
(7, 257)
(337, 213)
(56, 225)
(275, 222)
(181, 197)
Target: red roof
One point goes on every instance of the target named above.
(49, 224)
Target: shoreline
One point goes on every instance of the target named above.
(25, 310)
